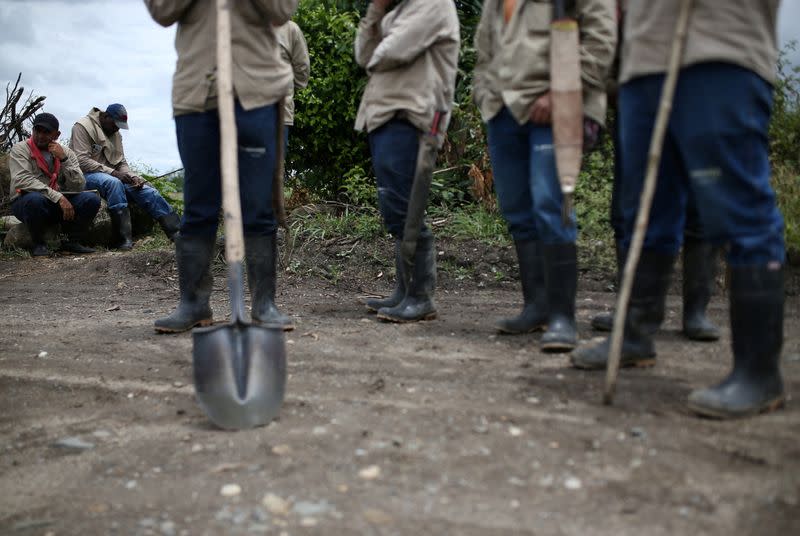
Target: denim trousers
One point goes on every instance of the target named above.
(199, 146)
(394, 146)
(37, 212)
(716, 150)
(117, 194)
(526, 181)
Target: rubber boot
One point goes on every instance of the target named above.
(561, 281)
(262, 256)
(754, 385)
(399, 292)
(605, 321)
(193, 256)
(39, 248)
(531, 274)
(121, 222)
(700, 261)
(170, 224)
(76, 235)
(418, 303)
(645, 315)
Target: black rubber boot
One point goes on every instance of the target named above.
(561, 281)
(605, 321)
(170, 224)
(754, 385)
(700, 261)
(262, 256)
(418, 303)
(531, 274)
(645, 314)
(193, 256)
(76, 235)
(399, 292)
(39, 248)
(121, 222)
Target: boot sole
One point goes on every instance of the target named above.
(558, 347)
(701, 337)
(521, 332)
(639, 363)
(429, 316)
(769, 407)
(201, 323)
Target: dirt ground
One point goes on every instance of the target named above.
(437, 428)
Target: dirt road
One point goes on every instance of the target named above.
(439, 428)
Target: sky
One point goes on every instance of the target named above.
(85, 53)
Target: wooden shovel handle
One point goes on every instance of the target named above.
(231, 204)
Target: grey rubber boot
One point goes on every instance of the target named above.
(645, 315)
(754, 385)
(531, 274)
(261, 254)
(193, 256)
(170, 224)
(418, 303)
(399, 292)
(561, 282)
(700, 260)
(121, 222)
(605, 321)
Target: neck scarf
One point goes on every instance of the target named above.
(37, 156)
(508, 9)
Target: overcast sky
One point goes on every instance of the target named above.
(84, 53)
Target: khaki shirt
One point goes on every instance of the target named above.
(260, 76)
(741, 32)
(513, 64)
(27, 177)
(97, 153)
(294, 51)
(411, 58)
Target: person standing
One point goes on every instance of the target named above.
(47, 188)
(294, 51)
(411, 57)
(98, 144)
(512, 90)
(261, 80)
(716, 147)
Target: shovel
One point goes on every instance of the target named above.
(239, 369)
(420, 189)
(567, 103)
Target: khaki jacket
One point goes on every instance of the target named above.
(260, 76)
(741, 32)
(27, 177)
(513, 64)
(294, 51)
(97, 153)
(411, 58)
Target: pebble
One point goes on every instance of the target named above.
(197, 447)
(377, 517)
(230, 490)
(281, 450)
(101, 434)
(308, 522)
(370, 473)
(514, 504)
(638, 432)
(168, 528)
(42, 355)
(532, 400)
(573, 483)
(275, 504)
(73, 443)
(319, 430)
(514, 431)
(546, 481)
(177, 384)
(308, 508)
(131, 484)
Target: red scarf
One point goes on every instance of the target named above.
(37, 155)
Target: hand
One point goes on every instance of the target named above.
(541, 111)
(119, 175)
(591, 134)
(56, 150)
(136, 181)
(66, 209)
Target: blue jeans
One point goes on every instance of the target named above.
(526, 180)
(199, 147)
(716, 147)
(37, 212)
(117, 194)
(394, 146)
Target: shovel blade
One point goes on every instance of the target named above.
(239, 373)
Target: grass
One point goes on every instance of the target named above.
(786, 182)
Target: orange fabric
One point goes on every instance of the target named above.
(508, 9)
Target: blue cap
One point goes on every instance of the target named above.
(119, 114)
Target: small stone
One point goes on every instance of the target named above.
(546, 481)
(342, 488)
(230, 490)
(377, 517)
(275, 505)
(131, 484)
(168, 528)
(177, 384)
(683, 511)
(319, 430)
(573, 483)
(309, 509)
(514, 431)
(370, 473)
(42, 355)
(73, 443)
(197, 447)
(101, 434)
(638, 432)
(281, 450)
(361, 452)
(308, 522)
(532, 400)
(636, 463)
(514, 504)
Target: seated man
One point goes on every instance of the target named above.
(98, 144)
(47, 188)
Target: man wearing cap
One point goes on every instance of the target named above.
(47, 188)
(98, 143)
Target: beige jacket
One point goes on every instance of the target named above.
(260, 76)
(27, 177)
(97, 153)
(741, 32)
(294, 51)
(411, 58)
(513, 64)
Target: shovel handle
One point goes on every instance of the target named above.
(231, 205)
